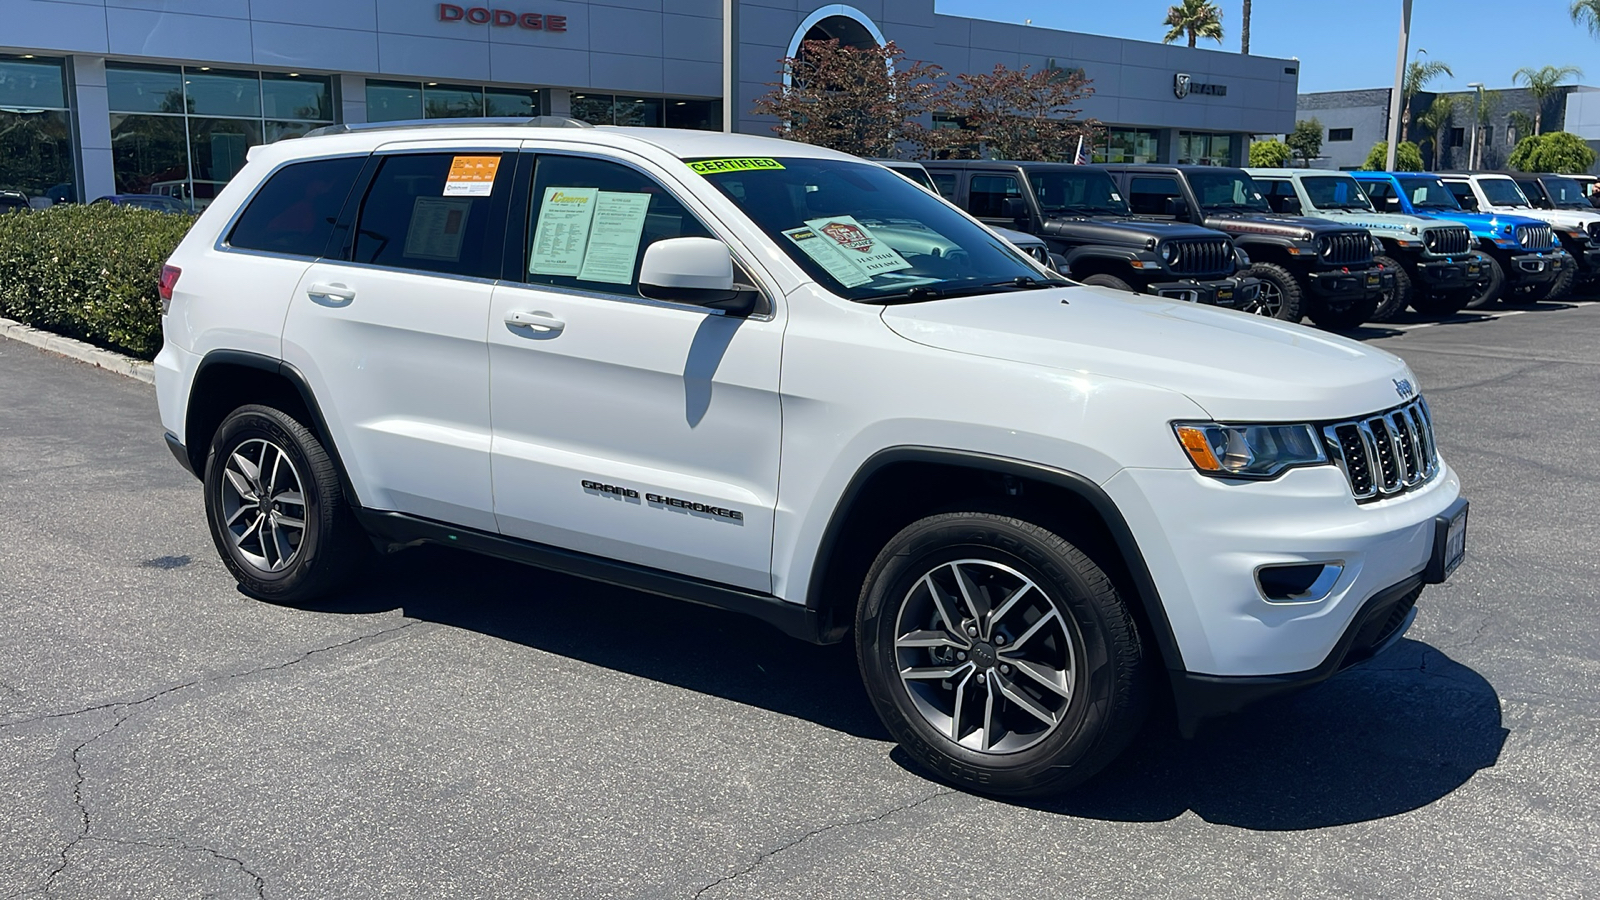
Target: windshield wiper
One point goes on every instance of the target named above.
(921, 294)
(1027, 282)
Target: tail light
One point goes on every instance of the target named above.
(169, 280)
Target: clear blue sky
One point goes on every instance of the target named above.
(1346, 44)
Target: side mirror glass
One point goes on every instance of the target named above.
(1177, 207)
(695, 270)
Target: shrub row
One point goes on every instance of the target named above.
(89, 272)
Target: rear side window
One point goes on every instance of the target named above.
(987, 195)
(295, 210)
(1149, 195)
(431, 212)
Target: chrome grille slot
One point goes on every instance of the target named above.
(1203, 257)
(1347, 248)
(1536, 237)
(1385, 454)
(1448, 241)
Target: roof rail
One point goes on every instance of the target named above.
(534, 122)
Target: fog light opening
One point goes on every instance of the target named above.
(1299, 582)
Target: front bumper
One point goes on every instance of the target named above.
(1346, 283)
(1588, 262)
(1233, 293)
(1443, 276)
(1524, 269)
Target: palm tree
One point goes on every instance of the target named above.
(1196, 18)
(1244, 29)
(1435, 119)
(1544, 83)
(1587, 14)
(1418, 74)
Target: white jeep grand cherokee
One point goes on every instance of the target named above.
(787, 382)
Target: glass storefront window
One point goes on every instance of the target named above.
(451, 101)
(703, 115)
(184, 132)
(503, 102)
(393, 101)
(36, 155)
(1131, 145)
(1204, 149)
(596, 109)
(644, 111)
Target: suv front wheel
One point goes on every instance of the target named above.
(276, 509)
(999, 655)
(1280, 296)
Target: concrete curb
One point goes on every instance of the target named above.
(111, 361)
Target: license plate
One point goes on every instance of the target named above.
(1449, 543)
(1473, 269)
(1224, 295)
(1372, 280)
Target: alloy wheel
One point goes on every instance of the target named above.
(1268, 302)
(986, 656)
(263, 505)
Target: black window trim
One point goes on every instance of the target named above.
(514, 256)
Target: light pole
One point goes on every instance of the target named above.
(730, 65)
(1477, 123)
(1399, 85)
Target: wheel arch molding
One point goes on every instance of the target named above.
(828, 595)
(228, 379)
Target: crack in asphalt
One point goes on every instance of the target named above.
(763, 858)
(128, 709)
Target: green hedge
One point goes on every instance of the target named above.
(89, 272)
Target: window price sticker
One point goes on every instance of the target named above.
(471, 176)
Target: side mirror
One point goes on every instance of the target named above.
(1291, 206)
(1015, 208)
(1177, 207)
(695, 270)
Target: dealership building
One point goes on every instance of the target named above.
(166, 96)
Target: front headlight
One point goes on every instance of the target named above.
(1170, 253)
(1248, 451)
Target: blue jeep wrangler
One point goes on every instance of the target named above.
(1523, 258)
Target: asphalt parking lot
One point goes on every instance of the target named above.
(462, 727)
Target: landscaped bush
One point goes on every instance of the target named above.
(89, 272)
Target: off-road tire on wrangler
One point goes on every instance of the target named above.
(1109, 281)
(1495, 286)
(1558, 288)
(1280, 296)
(959, 597)
(1396, 300)
(1347, 315)
(277, 510)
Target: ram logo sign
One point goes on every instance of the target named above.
(1180, 85)
(1183, 84)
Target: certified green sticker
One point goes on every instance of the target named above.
(737, 164)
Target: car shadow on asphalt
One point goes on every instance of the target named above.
(1393, 735)
(710, 651)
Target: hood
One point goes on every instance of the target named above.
(1291, 227)
(1123, 230)
(1377, 221)
(1573, 219)
(1238, 367)
(1481, 223)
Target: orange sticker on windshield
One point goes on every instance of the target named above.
(471, 176)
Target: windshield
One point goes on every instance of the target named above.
(1428, 193)
(1335, 192)
(1565, 193)
(1077, 192)
(1227, 191)
(1503, 192)
(866, 233)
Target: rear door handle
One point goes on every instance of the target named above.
(535, 320)
(332, 291)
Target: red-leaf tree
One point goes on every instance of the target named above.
(1018, 114)
(866, 101)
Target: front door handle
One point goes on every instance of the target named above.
(535, 320)
(331, 291)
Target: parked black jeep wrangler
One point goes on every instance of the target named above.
(1307, 266)
(1092, 234)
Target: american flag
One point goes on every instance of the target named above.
(1083, 157)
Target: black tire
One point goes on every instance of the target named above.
(1110, 281)
(1396, 300)
(1281, 296)
(1342, 314)
(1495, 286)
(1560, 287)
(1012, 751)
(270, 562)
(1441, 304)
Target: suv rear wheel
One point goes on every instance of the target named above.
(999, 655)
(276, 509)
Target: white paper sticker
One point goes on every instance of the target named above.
(828, 255)
(614, 237)
(437, 226)
(859, 245)
(1116, 197)
(562, 235)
